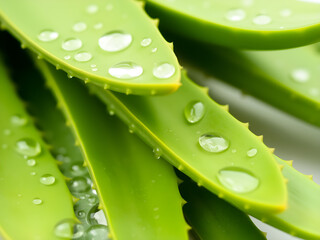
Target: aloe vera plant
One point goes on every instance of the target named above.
(115, 179)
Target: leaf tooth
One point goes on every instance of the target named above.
(220, 195)
(70, 75)
(280, 166)
(205, 90)
(100, 206)
(290, 162)
(155, 21)
(59, 163)
(309, 176)
(264, 233)
(85, 164)
(225, 107)
(293, 233)
(86, 80)
(128, 91)
(200, 183)
(106, 86)
(271, 150)
(188, 227)
(264, 219)
(183, 202)
(246, 124)
(23, 45)
(180, 167)
(67, 179)
(260, 138)
(170, 44)
(58, 67)
(141, 4)
(39, 56)
(75, 199)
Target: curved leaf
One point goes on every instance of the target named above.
(248, 24)
(34, 207)
(160, 121)
(89, 40)
(138, 192)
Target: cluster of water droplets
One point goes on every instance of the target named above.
(236, 179)
(93, 223)
(110, 42)
(240, 14)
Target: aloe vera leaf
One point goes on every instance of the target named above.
(119, 26)
(241, 24)
(287, 79)
(138, 192)
(213, 218)
(302, 217)
(34, 207)
(161, 123)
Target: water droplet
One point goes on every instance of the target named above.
(48, 36)
(37, 201)
(154, 50)
(261, 19)
(28, 147)
(71, 44)
(234, 150)
(69, 228)
(47, 179)
(33, 173)
(126, 70)
(92, 9)
(115, 41)
(18, 120)
(79, 27)
(94, 69)
(212, 143)
(285, 12)
(97, 232)
(146, 42)
(98, 26)
(31, 162)
(100, 218)
(194, 112)
(78, 169)
(164, 70)
(157, 153)
(238, 180)
(67, 57)
(7, 132)
(252, 152)
(78, 185)
(236, 15)
(300, 75)
(81, 214)
(83, 57)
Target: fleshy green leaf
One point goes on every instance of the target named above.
(213, 218)
(33, 195)
(138, 192)
(287, 79)
(248, 24)
(113, 44)
(204, 141)
(302, 217)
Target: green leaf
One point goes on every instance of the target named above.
(31, 208)
(213, 218)
(138, 192)
(248, 24)
(302, 218)
(222, 165)
(99, 42)
(287, 79)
